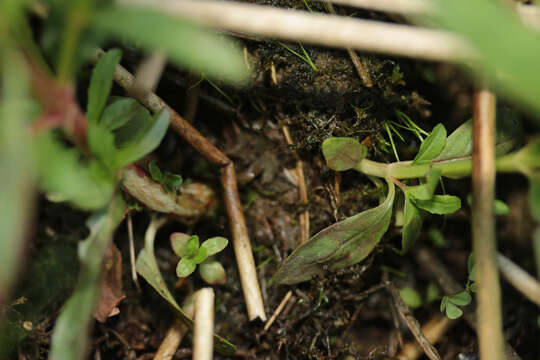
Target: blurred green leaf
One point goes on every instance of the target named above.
(411, 297)
(433, 292)
(186, 266)
(16, 160)
(340, 245)
(101, 142)
(213, 273)
(439, 204)
(507, 48)
(153, 134)
(179, 243)
(499, 206)
(127, 118)
(101, 84)
(172, 181)
(63, 174)
(71, 331)
(343, 153)
(215, 245)
(412, 226)
(432, 146)
(188, 45)
(436, 236)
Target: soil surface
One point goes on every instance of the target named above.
(330, 317)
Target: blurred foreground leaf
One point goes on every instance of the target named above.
(71, 331)
(188, 45)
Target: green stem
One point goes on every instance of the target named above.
(454, 168)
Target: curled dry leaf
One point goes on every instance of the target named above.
(195, 200)
(111, 285)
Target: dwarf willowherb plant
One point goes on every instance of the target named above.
(351, 240)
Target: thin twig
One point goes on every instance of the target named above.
(489, 309)
(434, 330)
(278, 310)
(361, 69)
(241, 243)
(302, 190)
(132, 252)
(320, 29)
(519, 278)
(203, 341)
(412, 323)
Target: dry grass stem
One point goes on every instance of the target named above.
(489, 314)
(412, 323)
(319, 29)
(278, 310)
(241, 243)
(303, 218)
(132, 252)
(203, 339)
(520, 279)
(433, 330)
(148, 74)
(172, 340)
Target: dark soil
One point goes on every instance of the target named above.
(330, 317)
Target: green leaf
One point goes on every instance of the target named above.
(213, 273)
(72, 328)
(179, 242)
(499, 206)
(461, 298)
(439, 204)
(215, 245)
(444, 303)
(412, 226)
(502, 43)
(147, 143)
(411, 297)
(432, 146)
(186, 267)
(436, 236)
(508, 133)
(452, 311)
(471, 266)
(425, 190)
(343, 153)
(200, 256)
(155, 172)
(192, 246)
(188, 45)
(62, 174)
(340, 245)
(100, 84)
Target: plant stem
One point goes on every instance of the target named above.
(490, 328)
(203, 341)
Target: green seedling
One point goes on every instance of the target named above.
(170, 181)
(304, 56)
(351, 240)
(192, 254)
(450, 303)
